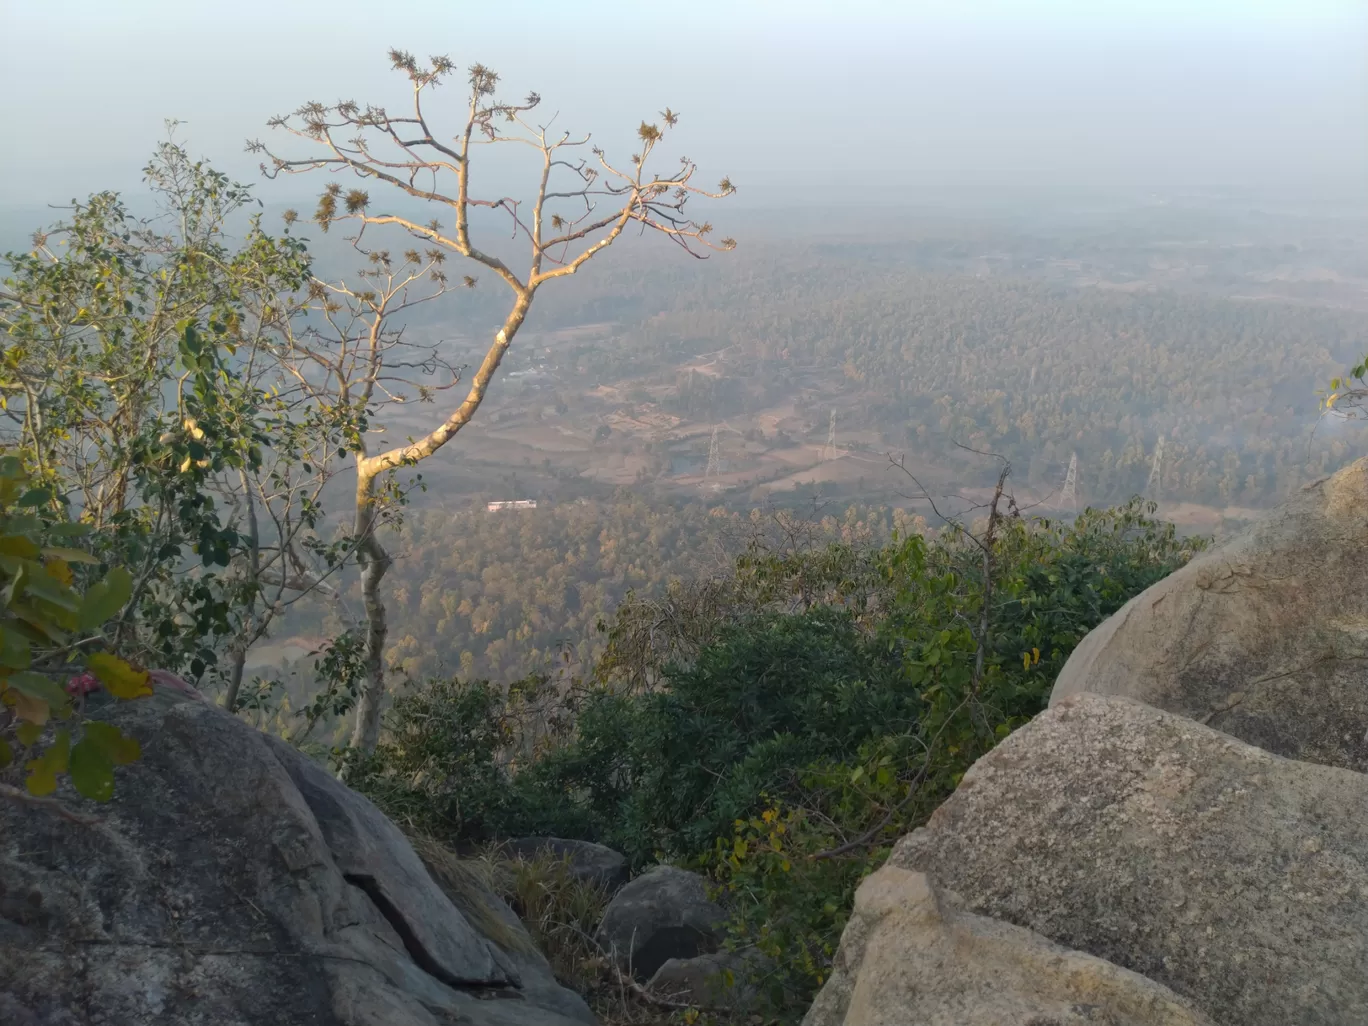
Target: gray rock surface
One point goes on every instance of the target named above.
(908, 955)
(591, 863)
(664, 913)
(723, 980)
(1265, 637)
(231, 881)
(1234, 877)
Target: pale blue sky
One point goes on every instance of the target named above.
(859, 100)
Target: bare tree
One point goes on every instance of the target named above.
(985, 541)
(1001, 509)
(580, 206)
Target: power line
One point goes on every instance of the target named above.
(1156, 475)
(1068, 495)
(829, 451)
(713, 469)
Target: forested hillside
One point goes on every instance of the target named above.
(916, 359)
(503, 595)
(918, 349)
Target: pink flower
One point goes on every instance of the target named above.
(82, 684)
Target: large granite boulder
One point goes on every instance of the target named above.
(908, 955)
(1233, 877)
(1265, 638)
(231, 880)
(664, 913)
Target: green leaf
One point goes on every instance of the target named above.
(17, 545)
(117, 746)
(49, 589)
(15, 651)
(105, 598)
(92, 772)
(42, 778)
(35, 497)
(26, 523)
(29, 733)
(44, 689)
(42, 623)
(70, 555)
(69, 530)
(120, 679)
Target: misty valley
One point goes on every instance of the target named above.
(1174, 355)
(459, 568)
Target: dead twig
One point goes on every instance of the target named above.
(982, 632)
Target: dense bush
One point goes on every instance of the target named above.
(669, 770)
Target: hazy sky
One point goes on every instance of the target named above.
(855, 101)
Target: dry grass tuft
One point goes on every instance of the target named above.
(472, 888)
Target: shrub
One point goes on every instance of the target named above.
(669, 770)
(806, 734)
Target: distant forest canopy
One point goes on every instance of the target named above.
(1001, 342)
(507, 594)
(1093, 333)
(1034, 369)
(1039, 338)
(1036, 372)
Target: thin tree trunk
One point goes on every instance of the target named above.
(375, 563)
(230, 697)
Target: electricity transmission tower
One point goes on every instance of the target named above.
(1152, 486)
(829, 450)
(713, 468)
(1069, 495)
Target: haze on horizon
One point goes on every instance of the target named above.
(860, 103)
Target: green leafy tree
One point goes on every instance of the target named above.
(135, 388)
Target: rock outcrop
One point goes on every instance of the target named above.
(1265, 638)
(722, 980)
(1187, 825)
(908, 955)
(665, 913)
(231, 880)
(1235, 878)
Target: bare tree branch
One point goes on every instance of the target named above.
(577, 210)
